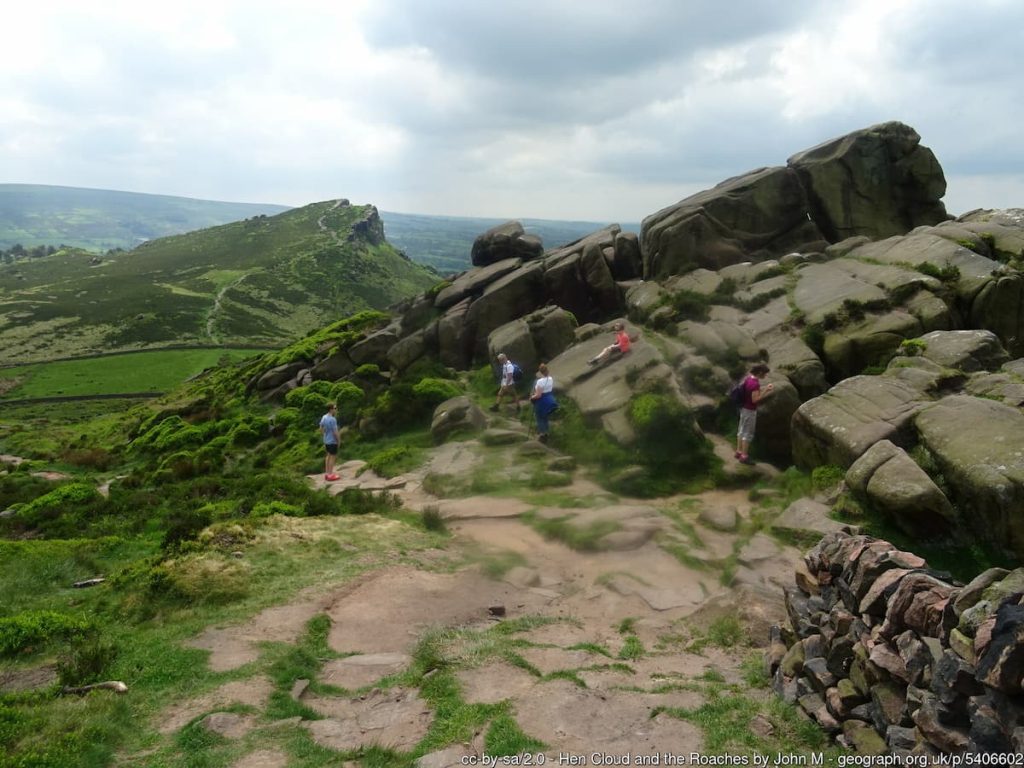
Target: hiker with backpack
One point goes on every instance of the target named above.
(510, 375)
(544, 403)
(746, 394)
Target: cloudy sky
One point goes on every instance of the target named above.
(581, 109)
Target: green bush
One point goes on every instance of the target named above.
(86, 660)
(64, 510)
(171, 434)
(668, 439)
(349, 398)
(392, 461)
(433, 392)
(267, 508)
(690, 305)
(31, 629)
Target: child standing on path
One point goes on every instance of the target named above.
(329, 430)
(753, 394)
(544, 402)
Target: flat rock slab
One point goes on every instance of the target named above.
(233, 647)
(396, 719)
(760, 547)
(445, 758)
(567, 717)
(361, 670)
(806, 517)
(389, 610)
(549, 660)
(684, 595)
(720, 518)
(493, 683)
(262, 758)
(228, 724)
(481, 507)
(254, 692)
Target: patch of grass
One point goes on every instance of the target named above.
(627, 626)
(584, 538)
(594, 648)
(497, 564)
(505, 738)
(632, 648)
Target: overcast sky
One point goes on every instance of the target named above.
(581, 109)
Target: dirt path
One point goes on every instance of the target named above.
(613, 603)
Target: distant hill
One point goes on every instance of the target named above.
(263, 281)
(101, 219)
(445, 242)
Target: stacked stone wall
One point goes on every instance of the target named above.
(892, 657)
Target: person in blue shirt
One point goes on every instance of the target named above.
(329, 430)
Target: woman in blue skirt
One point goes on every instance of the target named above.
(544, 402)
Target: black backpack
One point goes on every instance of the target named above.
(517, 373)
(738, 393)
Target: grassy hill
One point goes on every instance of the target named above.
(101, 219)
(445, 242)
(259, 282)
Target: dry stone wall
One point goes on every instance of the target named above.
(892, 657)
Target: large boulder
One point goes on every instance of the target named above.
(374, 348)
(473, 281)
(878, 182)
(756, 216)
(459, 414)
(505, 241)
(969, 351)
(511, 297)
(839, 426)
(898, 487)
(979, 446)
(453, 340)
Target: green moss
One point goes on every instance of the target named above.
(33, 629)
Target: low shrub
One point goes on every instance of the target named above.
(86, 660)
(29, 630)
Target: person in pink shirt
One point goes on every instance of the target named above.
(753, 393)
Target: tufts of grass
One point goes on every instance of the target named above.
(505, 738)
(582, 538)
(632, 648)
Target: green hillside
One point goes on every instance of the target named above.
(101, 219)
(445, 242)
(263, 281)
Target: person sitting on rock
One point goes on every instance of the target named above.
(620, 346)
(507, 382)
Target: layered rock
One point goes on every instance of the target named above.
(875, 182)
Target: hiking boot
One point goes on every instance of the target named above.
(745, 459)
(331, 478)
(737, 455)
(592, 361)
(494, 408)
(542, 438)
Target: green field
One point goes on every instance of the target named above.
(157, 371)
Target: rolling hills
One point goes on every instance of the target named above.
(259, 282)
(445, 242)
(101, 219)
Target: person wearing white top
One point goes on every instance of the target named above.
(544, 403)
(507, 382)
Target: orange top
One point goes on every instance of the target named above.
(622, 342)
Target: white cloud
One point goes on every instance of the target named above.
(577, 110)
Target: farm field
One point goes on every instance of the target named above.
(152, 371)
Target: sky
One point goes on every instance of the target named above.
(595, 110)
